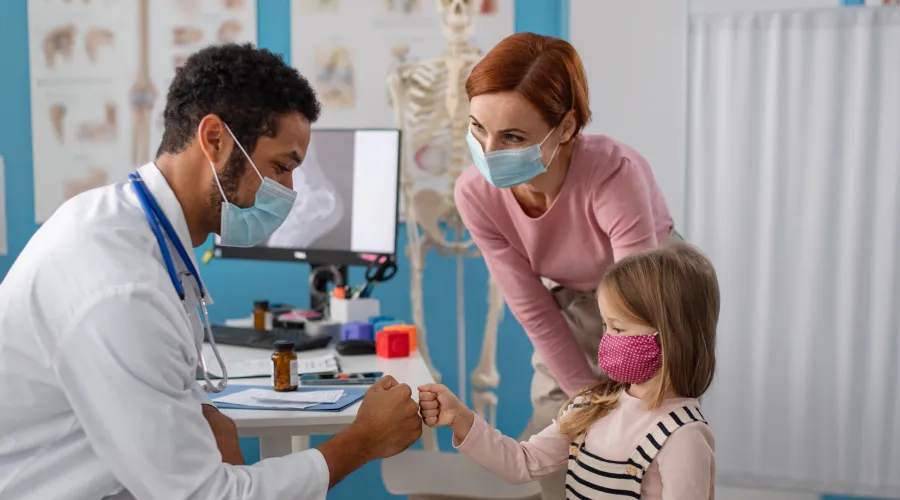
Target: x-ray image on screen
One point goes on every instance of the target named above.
(347, 198)
(321, 217)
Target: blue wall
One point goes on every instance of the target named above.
(282, 282)
(235, 284)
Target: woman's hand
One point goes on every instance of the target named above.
(440, 408)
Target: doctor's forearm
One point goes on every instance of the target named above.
(344, 453)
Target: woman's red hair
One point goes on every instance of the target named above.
(545, 70)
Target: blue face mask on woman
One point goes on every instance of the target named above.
(509, 167)
(246, 227)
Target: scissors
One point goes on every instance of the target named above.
(379, 271)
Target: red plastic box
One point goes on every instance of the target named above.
(392, 344)
(413, 334)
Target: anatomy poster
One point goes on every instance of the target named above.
(100, 70)
(346, 48)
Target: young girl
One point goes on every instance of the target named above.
(639, 434)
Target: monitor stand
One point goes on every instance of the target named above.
(319, 277)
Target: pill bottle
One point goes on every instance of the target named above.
(260, 308)
(284, 367)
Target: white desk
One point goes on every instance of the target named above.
(283, 432)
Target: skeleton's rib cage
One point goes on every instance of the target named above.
(429, 101)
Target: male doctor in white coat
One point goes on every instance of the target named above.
(98, 397)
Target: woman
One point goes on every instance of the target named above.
(550, 209)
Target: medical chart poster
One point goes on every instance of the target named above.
(3, 243)
(347, 48)
(100, 70)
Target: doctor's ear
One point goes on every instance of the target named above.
(214, 140)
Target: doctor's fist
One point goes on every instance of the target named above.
(388, 418)
(440, 408)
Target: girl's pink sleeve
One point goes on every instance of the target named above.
(687, 463)
(545, 453)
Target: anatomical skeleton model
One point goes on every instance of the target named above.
(143, 93)
(430, 102)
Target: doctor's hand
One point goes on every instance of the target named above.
(388, 419)
(441, 408)
(387, 423)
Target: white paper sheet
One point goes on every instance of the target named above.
(263, 398)
(262, 367)
(243, 399)
(327, 396)
(246, 369)
(3, 247)
(320, 364)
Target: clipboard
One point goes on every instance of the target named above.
(351, 396)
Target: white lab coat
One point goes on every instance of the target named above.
(98, 396)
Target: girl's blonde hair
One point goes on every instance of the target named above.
(674, 290)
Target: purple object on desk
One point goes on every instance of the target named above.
(358, 330)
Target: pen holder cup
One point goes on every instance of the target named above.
(348, 310)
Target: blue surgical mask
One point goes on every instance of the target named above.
(246, 227)
(509, 167)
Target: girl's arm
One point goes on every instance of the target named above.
(687, 464)
(515, 462)
(544, 453)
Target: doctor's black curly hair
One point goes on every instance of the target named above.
(247, 87)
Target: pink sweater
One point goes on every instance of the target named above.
(609, 206)
(684, 469)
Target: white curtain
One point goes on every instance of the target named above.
(793, 189)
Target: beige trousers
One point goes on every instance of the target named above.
(582, 313)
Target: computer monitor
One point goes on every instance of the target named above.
(347, 202)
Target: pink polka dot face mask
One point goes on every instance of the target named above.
(632, 359)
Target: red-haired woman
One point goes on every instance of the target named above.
(550, 208)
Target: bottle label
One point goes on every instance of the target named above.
(295, 378)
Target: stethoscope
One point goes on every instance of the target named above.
(155, 218)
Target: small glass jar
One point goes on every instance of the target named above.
(284, 367)
(260, 308)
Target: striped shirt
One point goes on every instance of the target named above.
(682, 467)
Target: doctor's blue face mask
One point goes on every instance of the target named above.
(246, 227)
(509, 167)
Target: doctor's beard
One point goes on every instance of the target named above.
(230, 178)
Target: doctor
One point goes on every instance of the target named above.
(98, 351)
